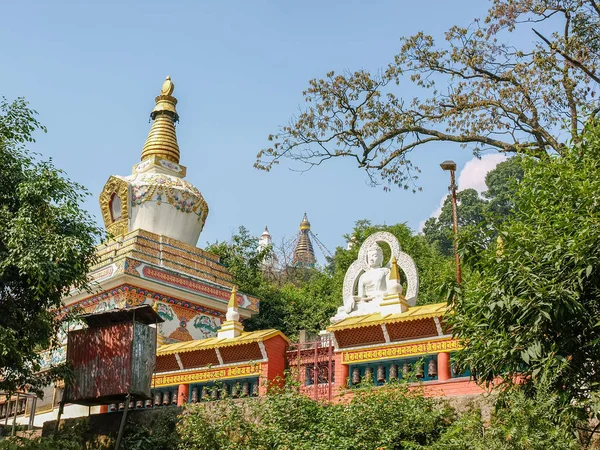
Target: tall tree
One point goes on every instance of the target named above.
(47, 244)
(470, 211)
(502, 182)
(530, 304)
(480, 91)
(475, 212)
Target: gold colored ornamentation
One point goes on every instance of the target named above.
(167, 87)
(118, 187)
(180, 194)
(162, 139)
(394, 270)
(232, 300)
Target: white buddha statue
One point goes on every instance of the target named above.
(370, 287)
(372, 284)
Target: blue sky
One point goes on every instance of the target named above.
(92, 70)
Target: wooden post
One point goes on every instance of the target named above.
(61, 407)
(7, 411)
(16, 408)
(32, 413)
(123, 420)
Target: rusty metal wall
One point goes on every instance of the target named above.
(101, 359)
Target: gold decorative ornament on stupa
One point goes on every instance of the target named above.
(156, 197)
(162, 140)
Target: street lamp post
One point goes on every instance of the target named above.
(451, 166)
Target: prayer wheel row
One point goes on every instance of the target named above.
(244, 389)
(393, 372)
(168, 397)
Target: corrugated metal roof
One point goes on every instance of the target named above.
(209, 343)
(414, 313)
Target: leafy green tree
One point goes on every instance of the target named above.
(518, 422)
(475, 212)
(481, 88)
(529, 308)
(501, 184)
(47, 244)
(470, 211)
(243, 259)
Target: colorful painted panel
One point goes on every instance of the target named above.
(183, 324)
(184, 320)
(397, 351)
(199, 376)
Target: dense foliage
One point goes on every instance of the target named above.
(389, 417)
(393, 417)
(518, 422)
(531, 303)
(46, 247)
(482, 88)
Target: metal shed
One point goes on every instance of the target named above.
(113, 357)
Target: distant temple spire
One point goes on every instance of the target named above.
(162, 140)
(304, 254)
(270, 261)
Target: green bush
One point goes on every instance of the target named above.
(160, 433)
(518, 423)
(391, 417)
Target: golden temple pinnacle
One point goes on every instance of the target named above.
(162, 140)
(233, 299)
(394, 270)
(304, 255)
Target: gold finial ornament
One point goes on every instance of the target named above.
(232, 300)
(305, 224)
(394, 270)
(162, 140)
(167, 87)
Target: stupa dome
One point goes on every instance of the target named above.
(156, 197)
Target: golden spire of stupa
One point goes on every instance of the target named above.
(162, 140)
(394, 270)
(233, 299)
(304, 255)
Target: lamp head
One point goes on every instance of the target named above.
(448, 165)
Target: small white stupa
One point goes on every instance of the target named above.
(232, 327)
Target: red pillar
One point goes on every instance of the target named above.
(103, 409)
(444, 372)
(341, 373)
(263, 379)
(183, 393)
